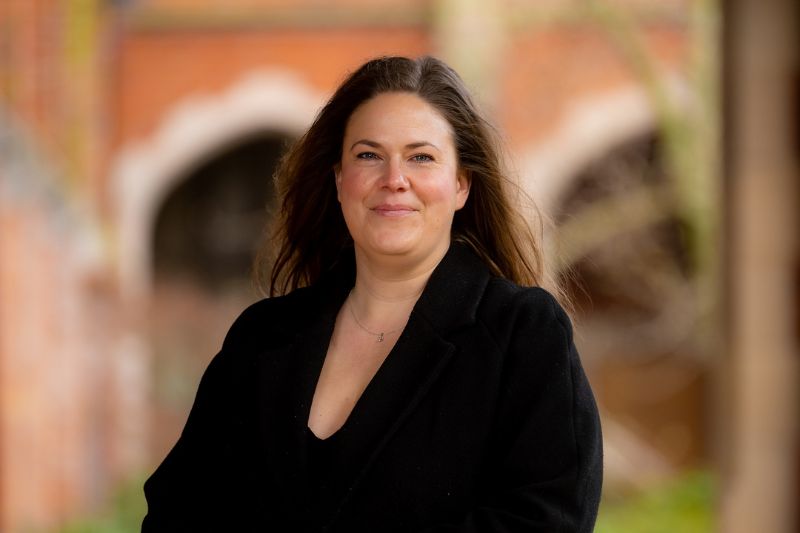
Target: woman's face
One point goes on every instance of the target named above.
(398, 181)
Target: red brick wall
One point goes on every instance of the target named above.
(257, 5)
(547, 70)
(56, 354)
(158, 69)
(56, 299)
(30, 65)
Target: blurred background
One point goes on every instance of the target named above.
(660, 137)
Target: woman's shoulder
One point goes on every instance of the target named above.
(270, 317)
(524, 320)
(534, 334)
(506, 301)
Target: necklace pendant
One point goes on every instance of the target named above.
(380, 337)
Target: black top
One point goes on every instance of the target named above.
(321, 451)
(322, 455)
(480, 420)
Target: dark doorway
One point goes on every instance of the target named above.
(211, 225)
(206, 235)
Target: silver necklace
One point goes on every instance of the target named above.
(379, 334)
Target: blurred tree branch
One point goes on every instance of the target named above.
(688, 130)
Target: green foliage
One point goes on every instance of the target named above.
(124, 515)
(685, 505)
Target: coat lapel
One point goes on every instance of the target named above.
(287, 378)
(289, 374)
(420, 355)
(396, 389)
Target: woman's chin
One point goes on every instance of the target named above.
(392, 248)
(416, 250)
(392, 245)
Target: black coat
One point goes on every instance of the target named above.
(480, 420)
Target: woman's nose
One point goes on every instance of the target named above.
(394, 177)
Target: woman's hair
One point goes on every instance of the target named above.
(310, 232)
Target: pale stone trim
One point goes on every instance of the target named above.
(590, 128)
(146, 171)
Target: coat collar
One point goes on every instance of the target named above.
(450, 298)
(452, 294)
(449, 301)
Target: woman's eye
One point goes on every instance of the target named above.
(367, 155)
(421, 158)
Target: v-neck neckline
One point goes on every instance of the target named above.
(291, 372)
(319, 363)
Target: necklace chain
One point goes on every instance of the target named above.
(379, 334)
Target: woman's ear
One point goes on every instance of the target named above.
(337, 173)
(462, 192)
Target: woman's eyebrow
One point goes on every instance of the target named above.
(420, 144)
(367, 142)
(374, 144)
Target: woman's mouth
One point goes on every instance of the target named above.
(393, 210)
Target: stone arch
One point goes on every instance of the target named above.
(590, 128)
(145, 172)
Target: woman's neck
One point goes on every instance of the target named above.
(383, 291)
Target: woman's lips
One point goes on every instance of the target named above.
(393, 210)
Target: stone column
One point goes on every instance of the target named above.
(470, 36)
(760, 482)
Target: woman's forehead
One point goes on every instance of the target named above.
(398, 118)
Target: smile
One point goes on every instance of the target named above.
(393, 210)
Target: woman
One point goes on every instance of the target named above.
(405, 381)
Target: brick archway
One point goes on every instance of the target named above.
(145, 172)
(591, 128)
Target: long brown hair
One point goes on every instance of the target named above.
(310, 232)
